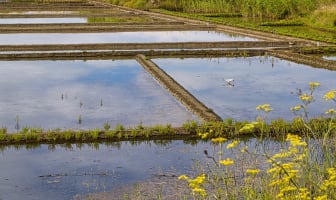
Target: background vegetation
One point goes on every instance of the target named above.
(310, 19)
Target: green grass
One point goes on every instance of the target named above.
(294, 28)
(191, 129)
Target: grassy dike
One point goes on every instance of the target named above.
(294, 28)
(307, 19)
(189, 130)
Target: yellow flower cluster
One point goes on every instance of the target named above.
(252, 172)
(233, 144)
(285, 170)
(265, 107)
(330, 95)
(218, 140)
(249, 127)
(296, 108)
(330, 183)
(295, 140)
(195, 184)
(226, 162)
(313, 85)
(306, 97)
(330, 111)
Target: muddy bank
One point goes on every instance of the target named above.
(310, 60)
(185, 97)
(101, 27)
(127, 54)
(146, 46)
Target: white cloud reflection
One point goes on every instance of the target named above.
(119, 37)
(52, 94)
(256, 82)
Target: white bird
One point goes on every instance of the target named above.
(229, 81)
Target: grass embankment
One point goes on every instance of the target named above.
(308, 19)
(189, 130)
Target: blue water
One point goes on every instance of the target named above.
(61, 172)
(55, 94)
(257, 80)
(119, 37)
(66, 20)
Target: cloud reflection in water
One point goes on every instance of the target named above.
(52, 94)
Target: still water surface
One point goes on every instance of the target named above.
(257, 80)
(119, 37)
(59, 172)
(67, 20)
(55, 94)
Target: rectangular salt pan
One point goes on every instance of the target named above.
(83, 95)
(65, 20)
(257, 80)
(120, 37)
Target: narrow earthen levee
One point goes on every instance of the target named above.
(185, 97)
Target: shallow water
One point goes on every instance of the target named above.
(55, 94)
(329, 57)
(119, 37)
(65, 20)
(257, 80)
(61, 172)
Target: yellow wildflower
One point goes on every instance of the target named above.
(193, 183)
(252, 171)
(323, 197)
(244, 149)
(247, 128)
(265, 107)
(204, 136)
(218, 140)
(313, 85)
(287, 189)
(296, 108)
(295, 140)
(330, 111)
(183, 177)
(280, 155)
(330, 95)
(233, 144)
(303, 194)
(306, 97)
(226, 162)
(200, 191)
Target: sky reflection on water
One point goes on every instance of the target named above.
(119, 37)
(53, 94)
(66, 20)
(57, 173)
(257, 80)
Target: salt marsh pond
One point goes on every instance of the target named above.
(83, 95)
(257, 80)
(118, 37)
